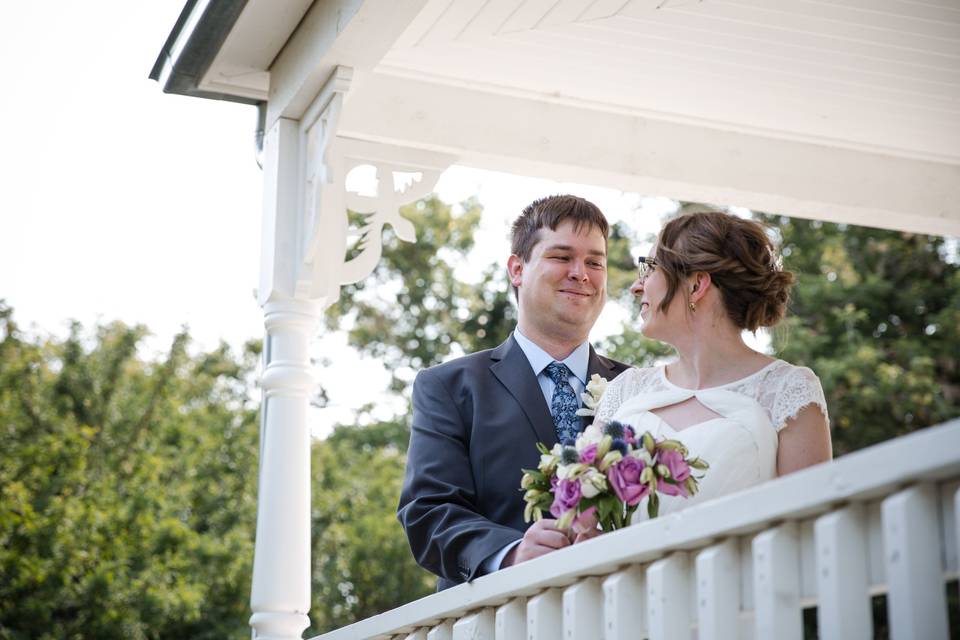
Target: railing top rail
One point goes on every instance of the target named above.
(929, 455)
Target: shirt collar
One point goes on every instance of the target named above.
(578, 361)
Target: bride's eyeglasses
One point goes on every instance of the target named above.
(647, 266)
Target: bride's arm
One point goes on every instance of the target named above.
(804, 441)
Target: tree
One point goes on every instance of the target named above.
(876, 314)
(362, 563)
(127, 486)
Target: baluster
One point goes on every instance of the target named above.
(475, 626)
(545, 616)
(956, 522)
(718, 591)
(510, 622)
(916, 602)
(624, 605)
(582, 609)
(419, 634)
(808, 562)
(949, 518)
(668, 598)
(843, 601)
(776, 583)
(878, 571)
(443, 631)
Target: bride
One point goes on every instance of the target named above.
(751, 417)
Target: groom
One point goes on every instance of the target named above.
(477, 419)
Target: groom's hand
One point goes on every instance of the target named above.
(542, 537)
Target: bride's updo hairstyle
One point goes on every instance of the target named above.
(739, 256)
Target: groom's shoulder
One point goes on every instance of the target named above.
(476, 361)
(615, 366)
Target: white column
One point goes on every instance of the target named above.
(280, 597)
(545, 616)
(476, 626)
(776, 583)
(624, 604)
(718, 591)
(842, 575)
(668, 597)
(511, 620)
(916, 600)
(583, 609)
(443, 631)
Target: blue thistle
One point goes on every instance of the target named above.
(613, 429)
(569, 455)
(619, 444)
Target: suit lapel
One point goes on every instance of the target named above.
(513, 370)
(602, 367)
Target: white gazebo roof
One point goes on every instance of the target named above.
(846, 111)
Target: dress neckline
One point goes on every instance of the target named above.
(666, 381)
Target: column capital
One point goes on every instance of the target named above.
(307, 233)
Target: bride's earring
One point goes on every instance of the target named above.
(693, 307)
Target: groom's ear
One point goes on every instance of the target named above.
(515, 269)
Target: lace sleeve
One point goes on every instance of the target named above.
(799, 388)
(613, 396)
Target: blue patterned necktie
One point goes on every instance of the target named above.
(564, 403)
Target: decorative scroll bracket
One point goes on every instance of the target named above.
(327, 157)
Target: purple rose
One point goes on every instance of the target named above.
(679, 472)
(566, 496)
(624, 479)
(589, 454)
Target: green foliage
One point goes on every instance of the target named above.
(362, 563)
(876, 314)
(126, 487)
(434, 311)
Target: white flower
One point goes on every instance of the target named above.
(593, 434)
(643, 455)
(570, 471)
(592, 482)
(591, 397)
(548, 462)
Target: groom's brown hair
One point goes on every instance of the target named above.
(550, 212)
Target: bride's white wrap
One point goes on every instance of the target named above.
(740, 444)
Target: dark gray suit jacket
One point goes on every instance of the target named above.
(476, 424)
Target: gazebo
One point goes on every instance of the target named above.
(845, 111)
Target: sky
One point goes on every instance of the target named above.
(120, 202)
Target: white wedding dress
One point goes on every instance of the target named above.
(740, 444)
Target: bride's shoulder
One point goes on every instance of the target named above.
(786, 388)
(781, 373)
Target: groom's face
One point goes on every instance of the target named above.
(561, 289)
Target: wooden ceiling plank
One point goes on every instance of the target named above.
(451, 23)
(528, 15)
(781, 22)
(828, 52)
(820, 41)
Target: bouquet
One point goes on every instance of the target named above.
(604, 475)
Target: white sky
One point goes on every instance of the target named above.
(120, 202)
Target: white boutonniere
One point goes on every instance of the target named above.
(591, 397)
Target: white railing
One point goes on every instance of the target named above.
(880, 521)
